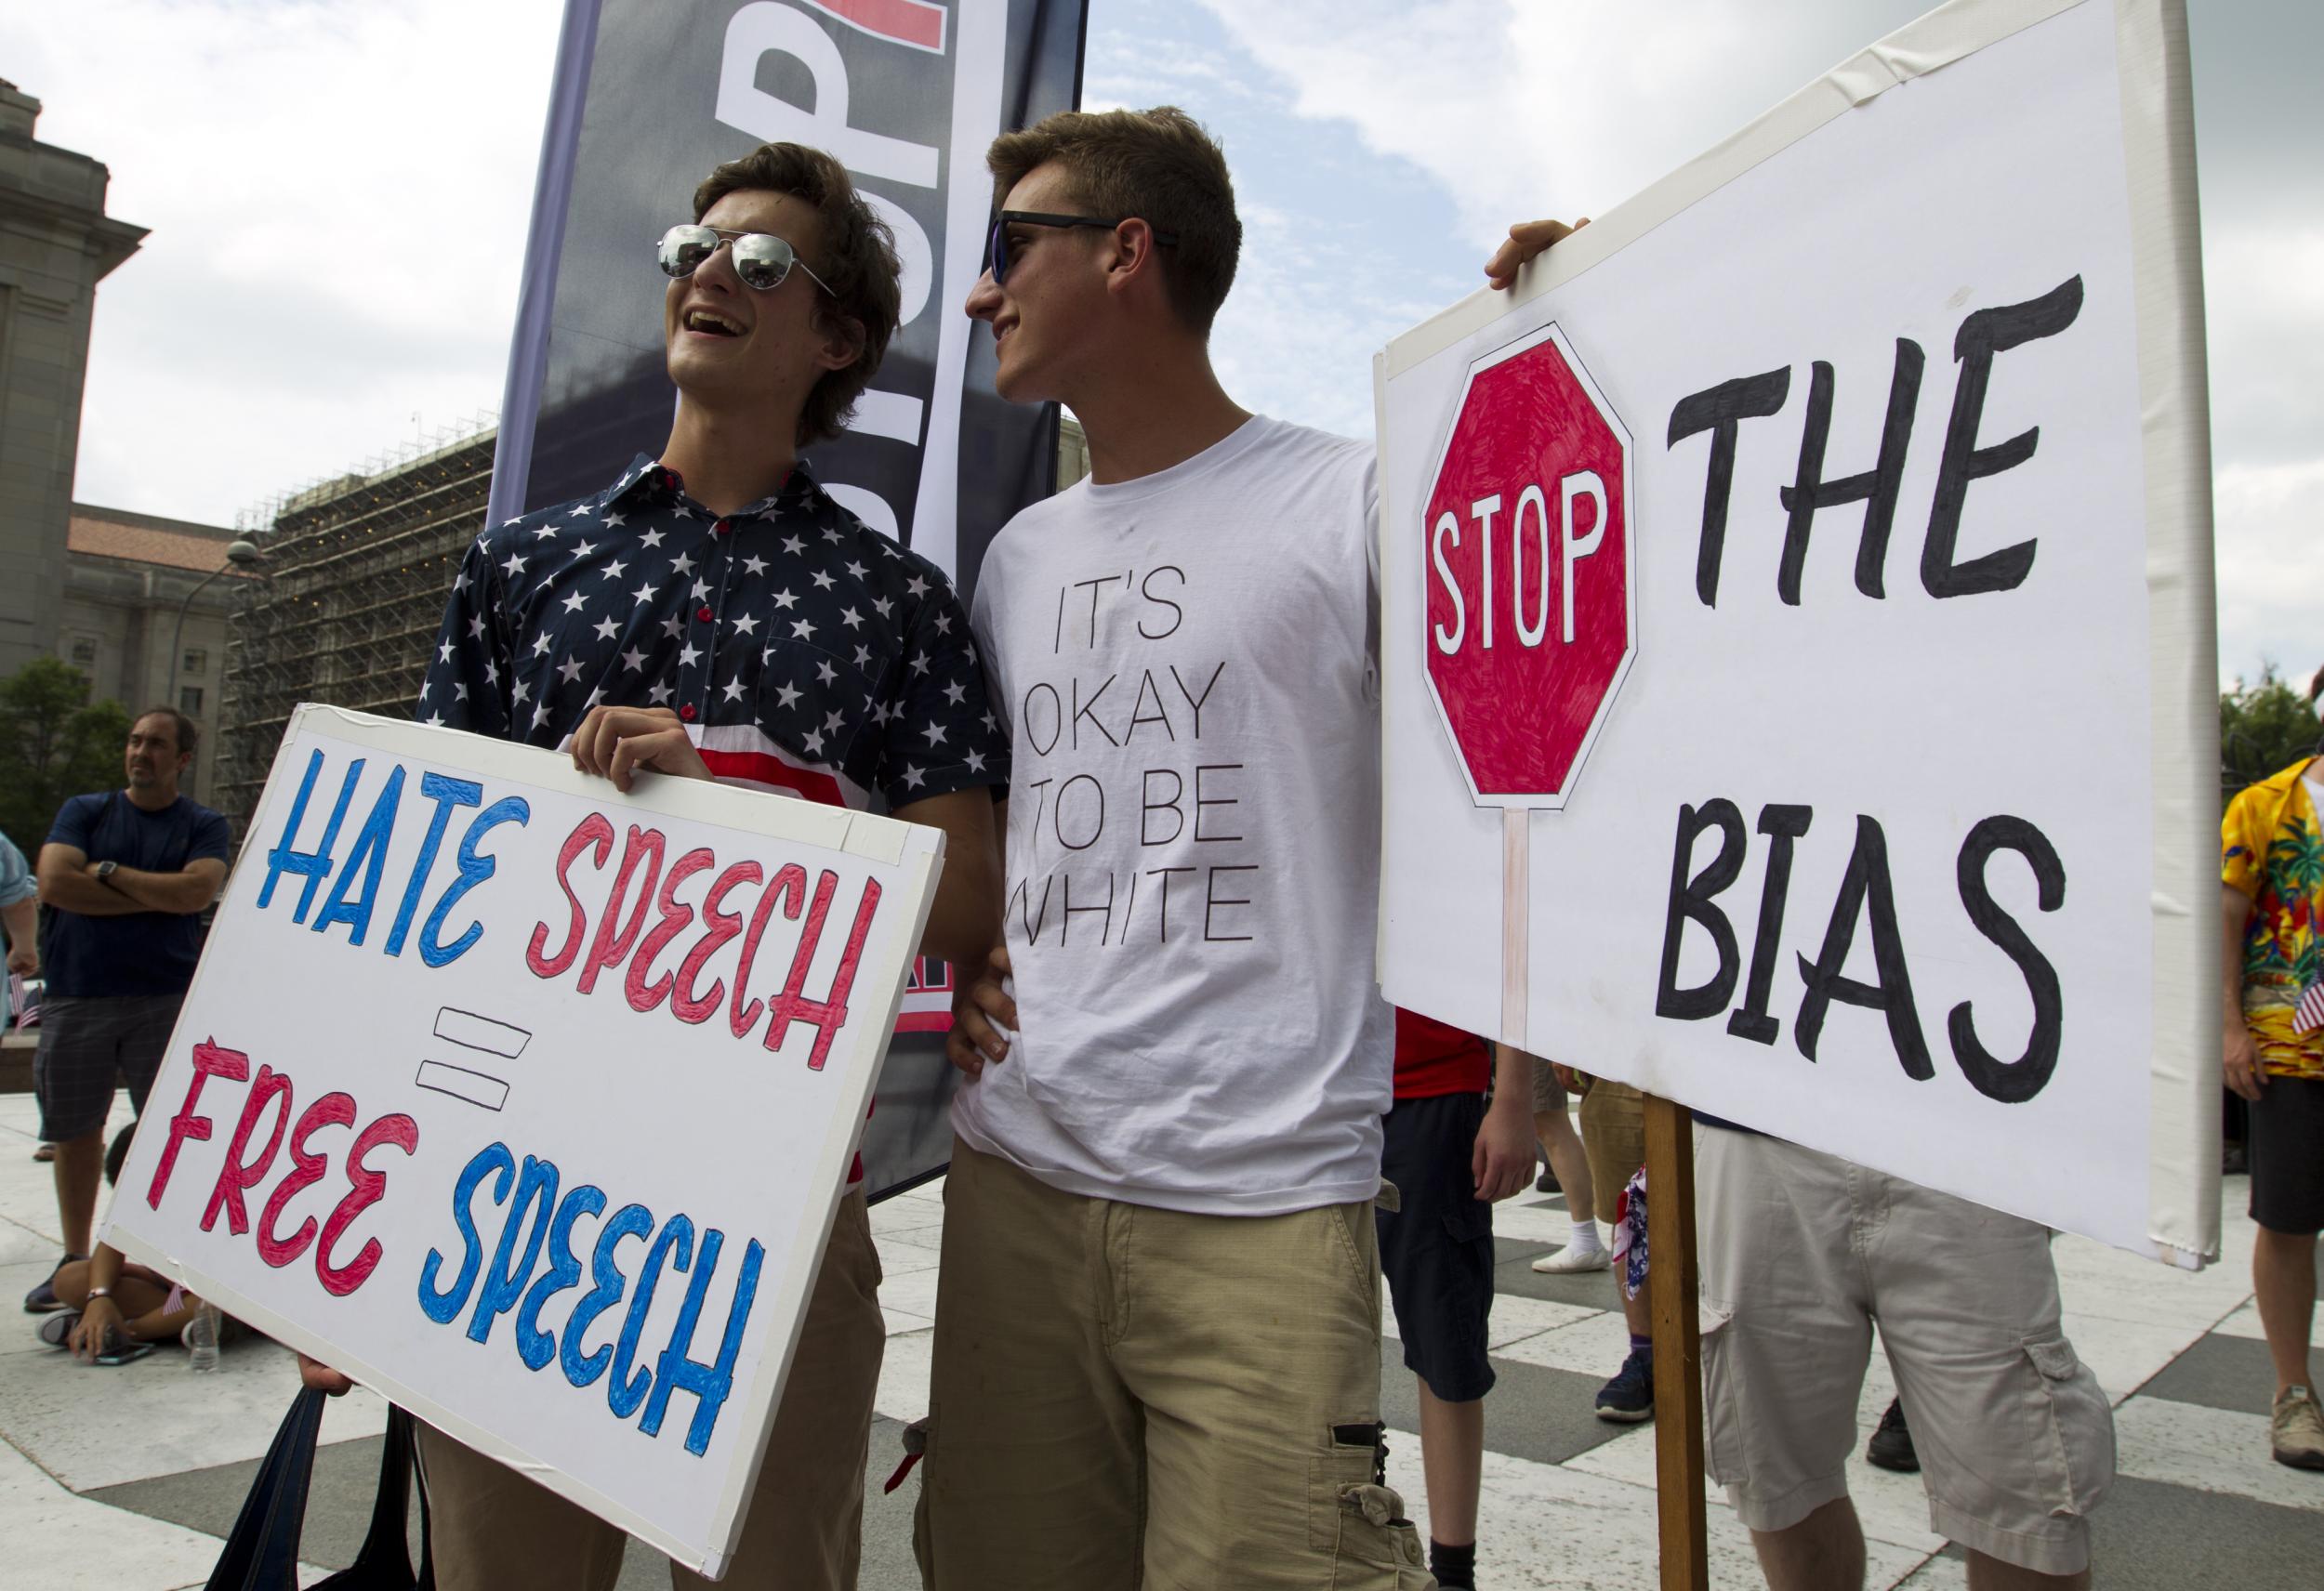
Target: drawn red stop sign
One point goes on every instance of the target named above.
(1531, 572)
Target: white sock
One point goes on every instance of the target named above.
(1586, 1237)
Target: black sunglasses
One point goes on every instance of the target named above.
(761, 259)
(997, 247)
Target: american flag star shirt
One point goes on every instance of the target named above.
(805, 652)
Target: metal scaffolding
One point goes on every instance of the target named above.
(357, 571)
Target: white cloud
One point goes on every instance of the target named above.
(2264, 293)
(1527, 107)
(2264, 298)
(2270, 566)
(1279, 340)
(339, 198)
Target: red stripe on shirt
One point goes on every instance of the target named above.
(761, 769)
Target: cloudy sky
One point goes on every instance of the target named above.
(339, 194)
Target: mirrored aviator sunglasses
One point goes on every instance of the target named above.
(760, 260)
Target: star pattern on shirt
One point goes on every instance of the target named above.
(848, 653)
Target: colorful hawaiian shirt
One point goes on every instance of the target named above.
(2272, 850)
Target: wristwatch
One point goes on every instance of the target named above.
(100, 1293)
(105, 872)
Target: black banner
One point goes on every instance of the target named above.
(650, 95)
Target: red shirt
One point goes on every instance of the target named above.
(1433, 1058)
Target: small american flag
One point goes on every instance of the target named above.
(2308, 1015)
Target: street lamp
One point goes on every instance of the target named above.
(241, 553)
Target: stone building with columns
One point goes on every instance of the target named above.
(56, 243)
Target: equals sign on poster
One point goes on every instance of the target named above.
(477, 1037)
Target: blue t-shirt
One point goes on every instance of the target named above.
(142, 952)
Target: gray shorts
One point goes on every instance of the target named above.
(85, 1043)
(1800, 1251)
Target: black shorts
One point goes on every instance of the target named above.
(1436, 1248)
(89, 1044)
(2285, 1143)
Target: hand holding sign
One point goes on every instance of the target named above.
(616, 743)
(1525, 240)
(1905, 556)
(585, 1247)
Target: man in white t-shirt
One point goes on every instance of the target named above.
(1157, 1332)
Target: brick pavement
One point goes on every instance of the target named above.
(123, 1478)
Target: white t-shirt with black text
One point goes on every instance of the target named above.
(1187, 663)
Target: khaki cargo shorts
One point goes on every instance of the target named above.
(1614, 1136)
(1130, 1397)
(1800, 1252)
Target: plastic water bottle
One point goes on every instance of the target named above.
(201, 1339)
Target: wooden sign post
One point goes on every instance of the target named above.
(1678, 1342)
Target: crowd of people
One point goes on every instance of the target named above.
(1186, 1160)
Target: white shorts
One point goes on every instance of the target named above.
(1801, 1253)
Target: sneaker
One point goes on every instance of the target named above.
(43, 1300)
(57, 1330)
(2296, 1432)
(1570, 1259)
(1891, 1447)
(1629, 1397)
(1547, 1182)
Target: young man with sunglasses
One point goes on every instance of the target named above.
(714, 615)
(1157, 1333)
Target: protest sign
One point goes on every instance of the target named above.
(529, 1103)
(649, 96)
(1812, 559)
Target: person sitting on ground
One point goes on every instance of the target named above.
(1568, 1173)
(116, 1310)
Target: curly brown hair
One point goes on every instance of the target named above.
(1158, 166)
(858, 264)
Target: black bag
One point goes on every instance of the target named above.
(262, 1552)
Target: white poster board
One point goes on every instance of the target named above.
(528, 1103)
(1983, 755)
